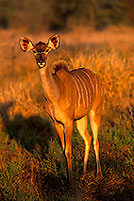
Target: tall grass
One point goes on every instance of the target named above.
(32, 165)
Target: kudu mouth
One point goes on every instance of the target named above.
(41, 64)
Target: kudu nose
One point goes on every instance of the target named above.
(41, 64)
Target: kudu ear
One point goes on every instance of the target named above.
(25, 44)
(54, 42)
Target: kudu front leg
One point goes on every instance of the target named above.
(68, 129)
(60, 130)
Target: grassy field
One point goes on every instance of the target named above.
(32, 165)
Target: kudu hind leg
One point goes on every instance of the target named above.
(95, 123)
(65, 134)
(82, 128)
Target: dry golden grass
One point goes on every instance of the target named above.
(108, 53)
(117, 74)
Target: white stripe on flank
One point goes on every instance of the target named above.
(86, 91)
(82, 91)
(77, 88)
(90, 80)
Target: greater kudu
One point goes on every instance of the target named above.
(70, 96)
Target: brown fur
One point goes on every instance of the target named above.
(70, 97)
(60, 64)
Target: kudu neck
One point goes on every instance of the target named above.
(49, 85)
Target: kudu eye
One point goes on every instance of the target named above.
(34, 51)
(47, 50)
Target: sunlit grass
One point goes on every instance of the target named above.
(32, 165)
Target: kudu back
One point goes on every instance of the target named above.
(70, 97)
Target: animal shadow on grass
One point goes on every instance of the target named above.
(32, 133)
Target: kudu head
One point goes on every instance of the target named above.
(40, 49)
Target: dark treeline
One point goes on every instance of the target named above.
(58, 14)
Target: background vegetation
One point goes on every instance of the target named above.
(57, 14)
(32, 165)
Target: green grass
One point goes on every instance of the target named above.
(35, 175)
